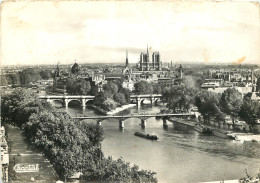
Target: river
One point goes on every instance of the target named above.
(181, 154)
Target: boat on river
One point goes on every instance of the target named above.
(147, 136)
(202, 129)
(222, 133)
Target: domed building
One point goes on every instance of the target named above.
(75, 69)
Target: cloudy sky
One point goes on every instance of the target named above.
(48, 32)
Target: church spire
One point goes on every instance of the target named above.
(147, 49)
(126, 60)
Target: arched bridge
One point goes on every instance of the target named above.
(65, 99)
(139, 99)
(143, 117)
(82, 99)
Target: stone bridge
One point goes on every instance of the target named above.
(142, 117)
(139, 99)
(66, 99)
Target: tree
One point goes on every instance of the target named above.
(126, 92)
(111, 88)
(157, 88)
(83, 87)
(78, 86)
(231, 102)
(258, 85)
(70, 86)
(45, 74)
(94, 132)
(29, 75)
(208, 105)
(18, 106)
(179, 97)
(120, 98)
(190, 82)
(250, 111)
(100, 98)
(109, 104)
(143, 87)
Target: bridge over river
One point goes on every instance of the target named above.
(83, 99)
(142, 117)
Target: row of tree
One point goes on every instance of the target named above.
(26, 76)
(212, 105)
(71, 146)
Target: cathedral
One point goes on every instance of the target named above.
(145, 64)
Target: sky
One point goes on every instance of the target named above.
(48, 32)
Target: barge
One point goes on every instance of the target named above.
(222, 133)
(147, 136)
(202, 129)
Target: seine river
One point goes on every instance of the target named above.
(181, 155)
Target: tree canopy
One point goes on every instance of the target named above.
(78, 86)
(231, 101)
(143, 87)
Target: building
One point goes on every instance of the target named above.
(219, 80)
(128, 84)
(98, 79)
(75, 68)
(4, 156)
(145, 64)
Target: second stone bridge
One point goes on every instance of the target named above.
(142, 117)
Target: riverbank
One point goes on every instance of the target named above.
(188, 122)
(22, 157)
(114, 111)
(247, 137)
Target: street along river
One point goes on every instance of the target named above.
(181, 154)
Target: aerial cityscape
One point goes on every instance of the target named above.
(102, 96)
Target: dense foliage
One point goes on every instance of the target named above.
(211, 105)
(71, 146)
(112, 96)
(25, 77)
(250, 111)
(143, 87)
(16, 108)
(78, 86)
(208, 105)
(179, 97)
(231, 101)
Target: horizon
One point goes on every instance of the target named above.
(201, 32)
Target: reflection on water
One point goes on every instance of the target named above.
(181, 154)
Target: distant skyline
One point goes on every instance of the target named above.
(48, 32)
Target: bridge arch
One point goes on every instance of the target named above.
(156, 100)
(56, 100)
(68, 101)
(142, 101)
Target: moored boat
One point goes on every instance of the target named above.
(202, 129)
(199, 128)
(221, 133)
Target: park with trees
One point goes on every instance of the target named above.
(71, 146)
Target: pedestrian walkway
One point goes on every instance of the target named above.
(25, 163)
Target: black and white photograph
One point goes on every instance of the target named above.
(142, 91)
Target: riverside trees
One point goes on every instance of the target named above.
(250, 111)
(208, 105)
(179, 97)
(71, 146)
(231, 101)
(212, 105)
